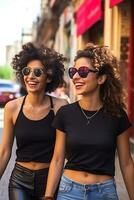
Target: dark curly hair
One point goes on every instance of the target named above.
(51, 60)
(111, 92)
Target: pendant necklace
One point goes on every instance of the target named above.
(91, 117)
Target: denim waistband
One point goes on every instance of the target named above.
(98, 186)
(29, 171)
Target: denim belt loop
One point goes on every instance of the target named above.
(87, 187)
(99, 187)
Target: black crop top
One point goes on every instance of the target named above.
(35, 138)
(90, 148)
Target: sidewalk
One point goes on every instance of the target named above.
(4, 181)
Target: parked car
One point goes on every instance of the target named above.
(8, 91)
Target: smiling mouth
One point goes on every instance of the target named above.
(78, 85)
(31, 83)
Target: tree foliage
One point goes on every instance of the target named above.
(6, 72)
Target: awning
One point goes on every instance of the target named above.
(114, 2)
(87, 15)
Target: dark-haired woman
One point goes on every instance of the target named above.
(90, 130)
(29, 119)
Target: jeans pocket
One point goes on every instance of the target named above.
(109, 193)
(65, 186)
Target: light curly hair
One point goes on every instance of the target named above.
(111, 92)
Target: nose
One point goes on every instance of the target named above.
(31, 74)
(76, 75)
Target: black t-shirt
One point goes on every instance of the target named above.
(90, 148)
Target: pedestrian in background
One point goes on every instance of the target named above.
(62, 92)
(29, 119)
(90, 130)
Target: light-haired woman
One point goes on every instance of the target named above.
(90, 131)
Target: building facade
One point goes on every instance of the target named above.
(68, 27)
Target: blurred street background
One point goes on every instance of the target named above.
(66, 26)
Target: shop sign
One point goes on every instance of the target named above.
(114, 2)
(87, 15)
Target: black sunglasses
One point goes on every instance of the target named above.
(82, 71)
(37, 71)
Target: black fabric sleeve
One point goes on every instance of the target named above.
(124, 123)
(58, 122)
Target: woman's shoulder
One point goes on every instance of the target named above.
(123, 111)
(13, 105)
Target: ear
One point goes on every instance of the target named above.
(102, 79)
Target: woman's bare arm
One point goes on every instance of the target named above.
(126, 162)
(7, 138)
(56, 165)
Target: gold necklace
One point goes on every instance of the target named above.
(87, 117)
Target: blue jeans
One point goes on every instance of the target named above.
(71, 190)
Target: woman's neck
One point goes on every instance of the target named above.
(35, 99)
(90, 103)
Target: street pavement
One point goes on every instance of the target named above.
(5, 179)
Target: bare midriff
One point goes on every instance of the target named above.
(34, 165)
(85, 178)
